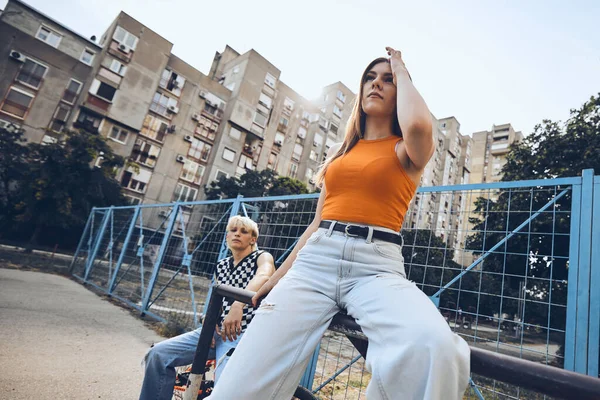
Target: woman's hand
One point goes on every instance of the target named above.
(264, 290)
(396, 61)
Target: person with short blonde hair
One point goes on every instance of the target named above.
(247, 268)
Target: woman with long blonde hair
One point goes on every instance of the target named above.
(350, 258)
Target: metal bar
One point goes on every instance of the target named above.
(111, 285)
(594, 327)
(476, 389)
(500, 243)
(92, 256)
(337, 373)
(286, 252)
(502, 185)
(161, 253)
(583, 281)
(85, 229)
(572, 279)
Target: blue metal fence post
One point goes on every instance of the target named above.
(113, 279)
(572, 279)
(101, 232)
(161, 253)
(85, 230)
(594, 329)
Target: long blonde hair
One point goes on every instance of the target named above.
(355, 128)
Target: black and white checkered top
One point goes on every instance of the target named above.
(237, 276)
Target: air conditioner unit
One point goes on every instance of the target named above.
(187, 138)
(311, 181)
(15, 55)
(163, 213)
(180, 158)
(315, 144)
(171, 128)
(278, 142)
(196, 117)
(124, 48)
(173, 109)
(203, 94)
(139, 142)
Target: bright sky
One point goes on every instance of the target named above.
(485, 62)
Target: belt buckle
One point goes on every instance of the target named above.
(348, 234)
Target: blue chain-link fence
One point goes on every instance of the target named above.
(513, 266)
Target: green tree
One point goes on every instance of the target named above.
(61, 185)
(14, 155)
(540, 252)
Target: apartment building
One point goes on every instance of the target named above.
(444, 213)
(179, 128)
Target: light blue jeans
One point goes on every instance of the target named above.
(160, 362)
(412, 354)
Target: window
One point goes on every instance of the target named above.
(207, 128)
(118, 67)
(145, 153)
(161, 103)
(323, 124)
(293, 170)
(124, 37)
(337, 112)
(228, 154)
(192, 171)
(49, 36)
(17, 102)
(313, 155)
(265, 100)
(302, 133)
(288, 104)
(221, 174)
(154, 128)
(270, 80)
(184, 193)
(341, 96)
(103, 90)
(310, 173)
(199, 150)
(318, 140)
(283, 124)
(298, 149)
(71, 91)
(136, 181)
(279, 138)
(88, 121)
(60, 118)
(306, 115)
(235, 133)
(244, 163)
(32, 73)
(172, 81)
(87, 57)
(118, 135)
(333, 128)
(134, 201)
(260, 119)
(272, 162)
(231, 86)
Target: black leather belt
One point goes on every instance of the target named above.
(363, 232)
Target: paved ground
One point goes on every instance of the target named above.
(58, 340)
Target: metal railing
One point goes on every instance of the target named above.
(513, 266)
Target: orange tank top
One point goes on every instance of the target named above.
(368, 185)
